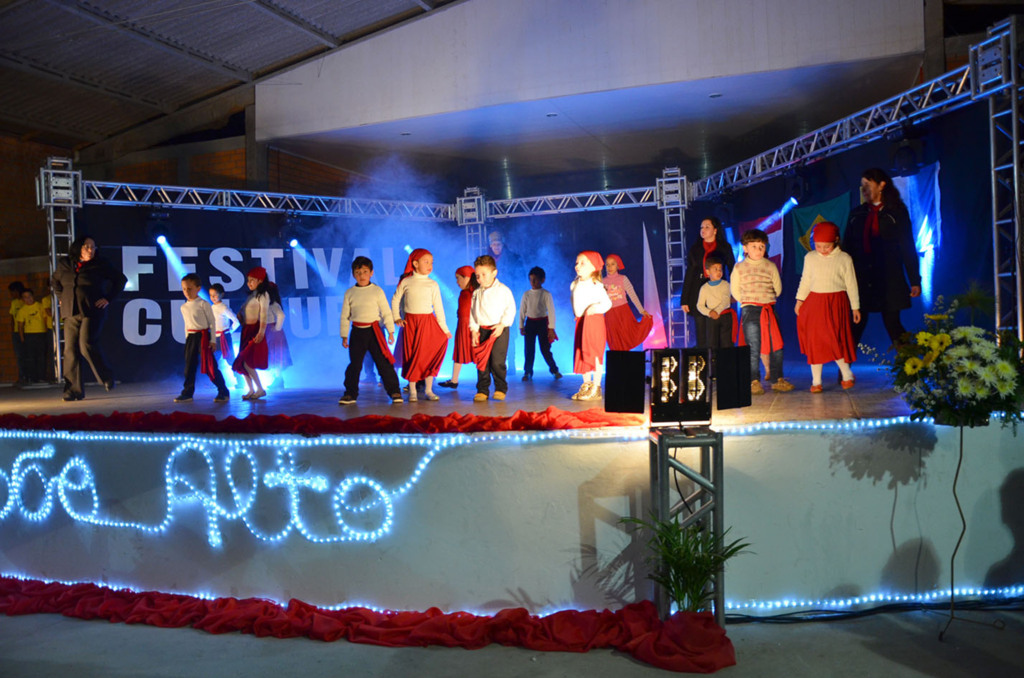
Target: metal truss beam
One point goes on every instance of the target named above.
(151, 38)
(572, 202)
(296, 21)
(211, 199)
(984, 76)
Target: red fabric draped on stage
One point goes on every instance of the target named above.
(686, 642)
(310, 424)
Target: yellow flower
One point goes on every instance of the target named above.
(940, 342)
(924, 338)
(929, 357)
(913, 366)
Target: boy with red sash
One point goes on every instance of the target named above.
(362, 310)
(491, 313)
(200, 341)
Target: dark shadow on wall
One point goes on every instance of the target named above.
(1010, 570)
(893, 454)
(913, 566)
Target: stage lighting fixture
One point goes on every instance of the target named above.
(293, 243)
(161, 240)
(680, 383)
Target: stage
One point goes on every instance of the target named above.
(482, 507)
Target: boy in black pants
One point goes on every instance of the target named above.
(200, 341)
(361, 312)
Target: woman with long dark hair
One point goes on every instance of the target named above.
(712, 243)
(880, 239)
(85, 284)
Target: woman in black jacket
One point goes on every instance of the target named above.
(712, 242)
(880, 240)
(85, 284)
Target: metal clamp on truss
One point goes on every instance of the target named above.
(671, 189)
(471, 208)
(58, 185)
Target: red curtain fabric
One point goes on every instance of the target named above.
(311, 424)
(689, 642)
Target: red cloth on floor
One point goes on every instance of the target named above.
(623, 330)
(824, 328)
(588, 343)
(423, 346)
(251, 353)
(463, 337)
(689, 642)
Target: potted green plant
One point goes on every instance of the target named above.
(685, 559)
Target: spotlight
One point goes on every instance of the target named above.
(161, 240)
(293, 243)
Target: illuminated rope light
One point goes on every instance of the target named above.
(359, 497)
(874, 599)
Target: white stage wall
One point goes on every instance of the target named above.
(485, 522)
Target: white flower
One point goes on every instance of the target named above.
(1005, 388)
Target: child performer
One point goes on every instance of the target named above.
(200, 341)
(624, 332)
(465, 277)
(590, 302)
(227, 322)
(252, 352)
(279, 358)
(537, 322)
(714, 301)
(363, 308)
(416, 308)
(30, 321)
(756, 285)
(492, 312)
(827, 293)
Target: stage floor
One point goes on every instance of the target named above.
(871, 398)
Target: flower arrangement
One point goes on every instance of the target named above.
(959, 375)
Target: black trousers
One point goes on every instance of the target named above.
(363, 340)
(193, 351)
(536, 332)
(718, 332)
(34, 354)
(81, 340)
(891, 319)
(700, 327)
(495, 364)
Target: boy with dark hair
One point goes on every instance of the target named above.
(200, 341)
(364, 306)
(756, 284)
(31, 325)
(493, 311)
(537, 323)
(714, 301)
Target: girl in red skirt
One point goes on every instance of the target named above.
(463, 355)
(252, 354)
(418, 311)
(824, 301)
(589, 304)
(624, 332)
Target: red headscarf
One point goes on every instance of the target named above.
(594, 258)
(465, 271)
(259, 273)
(825, 232)
(415, 256)
(617, 260)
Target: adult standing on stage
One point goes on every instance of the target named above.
(712, 242)
(85, 284)
(880, 239)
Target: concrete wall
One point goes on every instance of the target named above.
(489, 52)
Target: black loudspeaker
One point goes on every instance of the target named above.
(732, 377)
(625, 384)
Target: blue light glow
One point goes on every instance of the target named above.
(173, 260)
(161, 240)
(293, 243)
(760, 607)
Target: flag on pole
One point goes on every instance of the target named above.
(772, 227)
(836, 210)
(652, 301)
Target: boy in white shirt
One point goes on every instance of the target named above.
(492, 312)
(364, 306)
(714, 301)
(537, 323)
(200, 341)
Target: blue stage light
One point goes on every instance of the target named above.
(161, 240)
(293, 243)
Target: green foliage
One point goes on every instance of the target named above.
(685, 559)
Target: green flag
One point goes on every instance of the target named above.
(836, 210)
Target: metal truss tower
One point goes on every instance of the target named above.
(672, 201)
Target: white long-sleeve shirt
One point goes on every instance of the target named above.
(198, 315)
(276, 316)
(418, 294)
(832, 273)
(589, 292)
(366, 304)
(537, 303)
(492, 305)
(713, 297)
(257, 309)
(225, 317)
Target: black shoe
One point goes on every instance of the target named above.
(346, 399)
(527, 376)
(557, 375)
(70, 396)
(183, 398)
(109, 385)
(449, 384)
(396, 398)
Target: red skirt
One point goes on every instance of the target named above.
(588, 343)
(278, 355)
(227, 346)
(824, 328)
(463, 344)
(423, 346)
(251, 353)
(624, 332)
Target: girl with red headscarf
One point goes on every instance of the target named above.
(624, 332)
(465, 277)
(418, 311)
(826, 299)
(253, 354)
(589, 304)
